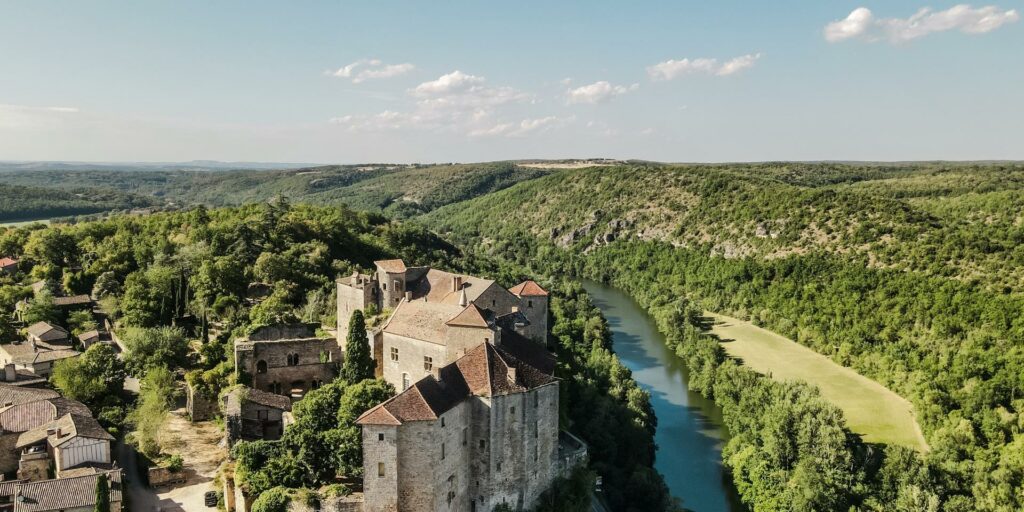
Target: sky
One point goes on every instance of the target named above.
(459, 81)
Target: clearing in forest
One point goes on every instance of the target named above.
(871, 410)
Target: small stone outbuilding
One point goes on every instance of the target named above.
(251, 414)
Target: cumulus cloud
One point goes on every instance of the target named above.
(598, 92)
(369, 69)
(456, 102)
(862, 24)
(671, 69)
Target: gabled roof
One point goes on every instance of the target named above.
(528, 288)
(391, 266)
(39, 329)
(89, 335)
(242, 394)
(16, 395)
(70, 425)
(27, 416)
(486, 370)
(74, 300)
(472, 316)
(60, 493)
(6, 262)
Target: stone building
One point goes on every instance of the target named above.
(479, 432)
(251, 414)
(72, 441)
(437, 316)
(287, 360)
(71, 494)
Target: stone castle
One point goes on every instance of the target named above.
(475, 422)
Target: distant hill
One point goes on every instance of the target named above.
(400, 191)
(19, 203)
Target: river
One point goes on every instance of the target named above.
(690, 433)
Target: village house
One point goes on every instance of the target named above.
(46, 344)
(71, 494)
(436, 316)
(287, 360)
(8, 265)
(72, 441)
(251, 414)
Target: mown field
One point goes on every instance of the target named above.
(871, 409)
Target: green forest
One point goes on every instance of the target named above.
(910, 274)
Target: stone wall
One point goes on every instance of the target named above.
(380, 492)
(410, 359)
(352, 298)
(270, 365)
(199, 407)
(8, 453)
(536, 311)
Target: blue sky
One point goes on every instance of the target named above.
(472, 81)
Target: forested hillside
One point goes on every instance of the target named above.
(400, 191)
(19, 203)
(912, 275)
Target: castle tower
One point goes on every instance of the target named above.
(391, 277)
(533, 303)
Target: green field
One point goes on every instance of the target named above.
(872, 410)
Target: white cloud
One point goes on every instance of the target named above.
(671, 69)
(456, 102)
(452, 82)
(862, 24)
(369, 69)
(598, 92)
(522, 128)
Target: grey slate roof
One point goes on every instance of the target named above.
(59, 493)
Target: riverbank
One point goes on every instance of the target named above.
(876, 413)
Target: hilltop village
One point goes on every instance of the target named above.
(469, 418)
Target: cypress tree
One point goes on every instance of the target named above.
(358, 364)
(102, 494)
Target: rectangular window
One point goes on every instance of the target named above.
(428, 363)
(442, 421)
(380, 437)
(394, 353)
(380, 469)
(529, 303)
(483, 444)
(465, 436)
(513, 410)
(536, 400)
(536, 429)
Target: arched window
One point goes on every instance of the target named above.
(261, 366)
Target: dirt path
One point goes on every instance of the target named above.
(871, 409)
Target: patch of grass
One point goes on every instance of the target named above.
(871, 410)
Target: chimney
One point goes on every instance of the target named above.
(60, 433)
(463, 300)
(456, 283)
(10, 374)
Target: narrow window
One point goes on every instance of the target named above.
(405, 381)
(394, 353)
(536, 429)
(442, 451)
(536, 400)
(529, 303)
(494, 303)
(513, 410)
(442, 421)
(428, 363)
(380, 437)
(465, 436)
(380, 469)
(483, 444)
(499, 466)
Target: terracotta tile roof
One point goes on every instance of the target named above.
(391, 266)
(438, 286)
(39, 329)
(6, 262)
(472, 316)
(528, 288)
(73, 300)
(71, 425)
(60, 493)
(486, 370)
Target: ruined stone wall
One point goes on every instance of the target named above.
(380, 492)
(410, 359)
(352, 299)
(318, 359)
(199, 407)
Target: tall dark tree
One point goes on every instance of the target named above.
(358, 364)
(102, 494)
